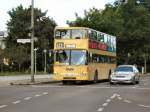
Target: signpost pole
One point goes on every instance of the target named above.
(32, 41)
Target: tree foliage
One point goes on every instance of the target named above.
(130, 22)
(19, 27)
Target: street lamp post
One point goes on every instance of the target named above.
(32, 41)
(35, 60)
(45, 60)
(145, 62)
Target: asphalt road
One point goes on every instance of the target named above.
(100, 97)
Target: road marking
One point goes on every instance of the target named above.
(127, 101)
(145, 84)
(37, 95)
(100, 109)
(108, 100)
(45, 93)
(118, 95)
(91, 87)
(16, 102)
(113, 96)
(147, 106)
(120, 98)
(145, 80)
(27, 98)
(3, 106)
(105, 104)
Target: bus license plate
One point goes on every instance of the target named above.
(69, 75)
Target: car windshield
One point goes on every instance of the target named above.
(124, 69)
(71, 57)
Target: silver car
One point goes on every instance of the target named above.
(125, 74)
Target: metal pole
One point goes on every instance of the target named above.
(45, 61)
(145, 64)
(35, 60)
(32, 41)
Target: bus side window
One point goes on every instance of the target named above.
(94, 35)
(95, 58)
(113, 60)
(58, 34)
(90, 57)
(90, 34)
(102, 59)
(99, 37)
(108, 59)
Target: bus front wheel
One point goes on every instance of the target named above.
(65, 82)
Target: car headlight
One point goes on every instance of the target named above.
(130, 76)
(112, 75)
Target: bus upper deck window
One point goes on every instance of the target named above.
(58, 34)
(65, 34)
(78, 34)
(62, 34)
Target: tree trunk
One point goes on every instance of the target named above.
(19, 67)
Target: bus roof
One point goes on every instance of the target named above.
(58, 27)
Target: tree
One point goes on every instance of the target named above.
(136, 31)
(19, 28)
(130, 22)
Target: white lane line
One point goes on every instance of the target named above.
(27, 98)
(108, 100)
(45, 93)
(120, 98)
(105, 104)
(118, 95)
(16, 102)
(100, 109)
(127, 101)
(3, 106)
(146, 106)
(113, 96)
(37, 95)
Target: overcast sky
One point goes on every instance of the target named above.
(59, 10)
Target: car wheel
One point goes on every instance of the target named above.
(134, 81)
(138, 80)
(111, 83)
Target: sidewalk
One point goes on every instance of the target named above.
(25, 79)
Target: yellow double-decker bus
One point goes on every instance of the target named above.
(83, 54)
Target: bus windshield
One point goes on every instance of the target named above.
(71, 57)
(70, 34)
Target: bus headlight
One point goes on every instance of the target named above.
(55, 73)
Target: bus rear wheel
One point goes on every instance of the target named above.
(68, 82)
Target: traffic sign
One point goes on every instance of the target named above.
(23, 41)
